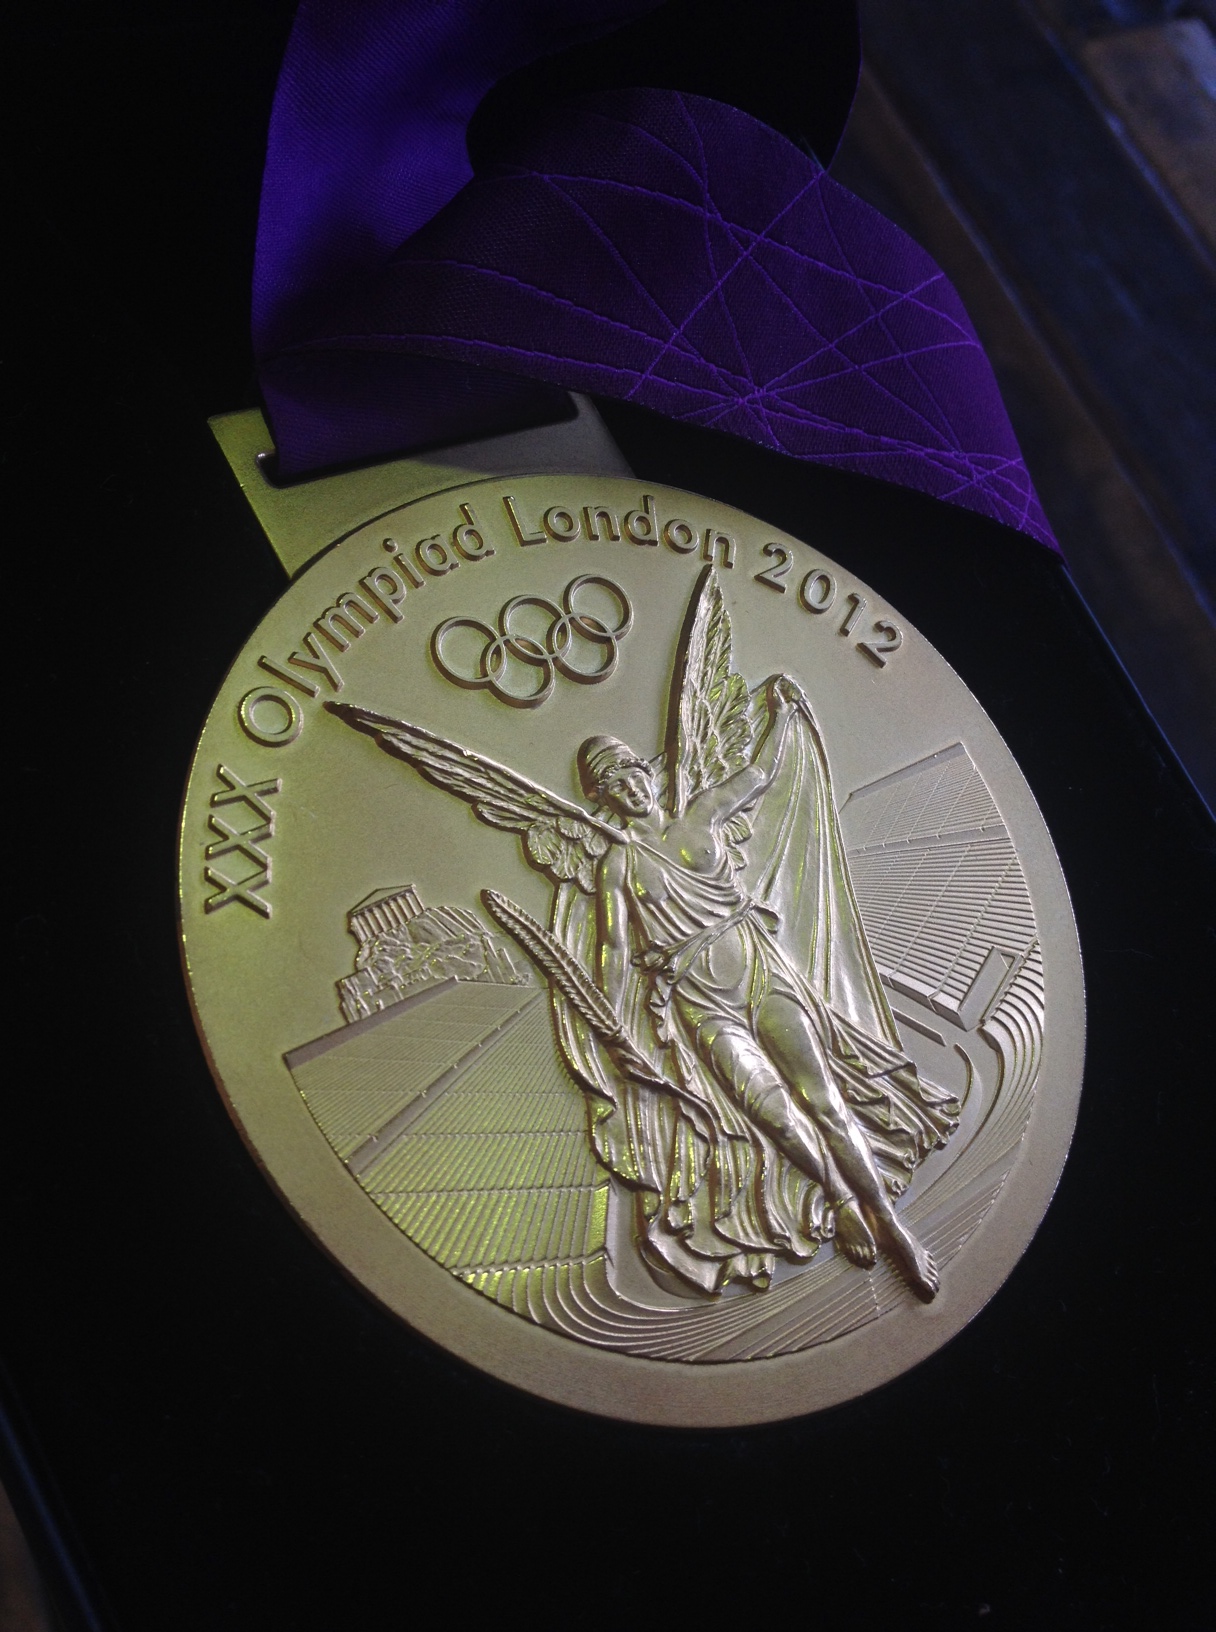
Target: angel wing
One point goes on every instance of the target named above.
(560, 839)
(714, 727)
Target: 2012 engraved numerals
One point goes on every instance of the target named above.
(818, 594)
(782, 560)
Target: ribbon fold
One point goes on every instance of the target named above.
(649, 245)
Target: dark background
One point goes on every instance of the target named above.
(211, 1427)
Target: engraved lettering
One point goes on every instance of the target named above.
(517, 526)
(245, 842)
(342, 619)
(817, 591)
(596, 515)
(432, 556)
(718, 544)
(318, 662)
(679, 536)
(234, 791)
(560, 524)
(404, 563)
(306, 687)
(772, 576)
(387, 588)
(893, 639)
(272, 726)
(467, 540)
(241, 842)
(641, 526)
(229, 890)
(849, 622)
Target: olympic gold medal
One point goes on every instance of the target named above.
(631, 951)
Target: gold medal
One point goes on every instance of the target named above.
(630, 950)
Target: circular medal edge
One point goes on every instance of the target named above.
(731, 1393)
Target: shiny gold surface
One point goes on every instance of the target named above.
(712, 1100)
(301, 519)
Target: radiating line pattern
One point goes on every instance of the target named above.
(365, 1080)
(493, 1174)
(937, 879)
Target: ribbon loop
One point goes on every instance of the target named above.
(649, 245)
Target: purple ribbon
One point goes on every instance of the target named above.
(647, 245)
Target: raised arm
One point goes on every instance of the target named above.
(738, 791)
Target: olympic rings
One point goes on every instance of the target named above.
(498, 668)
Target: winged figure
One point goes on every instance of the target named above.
(712, 989)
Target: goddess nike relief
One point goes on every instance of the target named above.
(711, 989)
(674, 1008)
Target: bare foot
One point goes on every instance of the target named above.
(853, 1236)
(914, 1262)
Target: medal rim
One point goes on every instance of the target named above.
(367, 1245)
